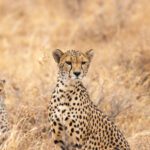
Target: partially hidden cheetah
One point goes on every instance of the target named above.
(76, 123)
(4, 127)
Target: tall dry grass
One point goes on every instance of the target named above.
(119, 77)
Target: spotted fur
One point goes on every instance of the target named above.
(3, 114)
(76, 123)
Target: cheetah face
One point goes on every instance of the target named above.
(73, 64)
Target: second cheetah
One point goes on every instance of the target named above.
(4, 127)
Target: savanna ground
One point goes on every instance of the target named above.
(119, 77)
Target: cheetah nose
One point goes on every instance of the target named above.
(77, 73)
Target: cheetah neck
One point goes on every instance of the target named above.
(70, 91)
(64, 84)
(1, 101)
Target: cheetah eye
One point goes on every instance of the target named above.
(84, 62)
(68, 62)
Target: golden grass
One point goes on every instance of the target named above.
(119, 77)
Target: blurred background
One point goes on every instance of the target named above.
(119, 77)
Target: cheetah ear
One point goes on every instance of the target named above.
(57, 55)
(90, 54)
(3, 81)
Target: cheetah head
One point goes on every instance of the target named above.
(2, 84)
(73, 64)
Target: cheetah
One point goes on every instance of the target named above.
(4, 128)
(76, 123)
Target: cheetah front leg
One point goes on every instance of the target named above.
(58, 135)
(57, 129)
